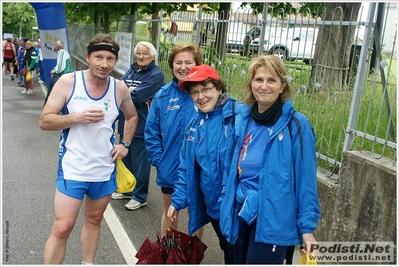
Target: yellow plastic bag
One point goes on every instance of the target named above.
(28, 76)
(308, 260)
(124, 178)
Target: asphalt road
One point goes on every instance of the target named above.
(30, 158)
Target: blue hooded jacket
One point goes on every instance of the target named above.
(201, 164)
(170, 112)
(288, 205)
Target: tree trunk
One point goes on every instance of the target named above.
(133, 8)
(96, 19)
(333, 46)
(154, 25)
(221, 34)
(106, 21)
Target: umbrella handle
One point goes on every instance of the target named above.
(169, 232)
(170, 238)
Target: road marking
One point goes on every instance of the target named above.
(124, 243)
(44, 89)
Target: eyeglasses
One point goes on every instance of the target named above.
(204, 91)
(144, 54)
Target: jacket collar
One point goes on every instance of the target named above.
(135, 66)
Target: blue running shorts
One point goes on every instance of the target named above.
(94, 190)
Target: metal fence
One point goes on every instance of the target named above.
(352, 106)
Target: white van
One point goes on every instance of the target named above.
(291, 44)
(300, 45)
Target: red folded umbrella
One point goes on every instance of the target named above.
(150, 253)
(174, 248)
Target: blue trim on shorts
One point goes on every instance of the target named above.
(94, 190)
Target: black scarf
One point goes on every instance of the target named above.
(270, 116)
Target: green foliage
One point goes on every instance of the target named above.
(210, 53)
(169, 8)
(18, 18)
(315, 10)
(275, 8)
(78, 13)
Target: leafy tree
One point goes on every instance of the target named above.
(18, 18)
(101, 15)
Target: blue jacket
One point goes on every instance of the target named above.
(288, 205)
(170, 112)
(148, 81)
(201, 164)
(21, 54)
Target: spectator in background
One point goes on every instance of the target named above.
(16, 45)
(2, 52)
(30, 59)
(143, 80)
(21, 63)
(9, 58)
(170, 112)
(173, 31)
(42, 78)
(36, 72)
(64, 62)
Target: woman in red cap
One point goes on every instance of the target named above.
(203, 152)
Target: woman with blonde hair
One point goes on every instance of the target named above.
(269, 197)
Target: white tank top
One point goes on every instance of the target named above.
(85, 148)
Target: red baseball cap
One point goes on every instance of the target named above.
(200, 73)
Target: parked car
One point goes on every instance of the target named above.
(234, 46)
(253, 33)
(291, 44)
(273, 35)
(234, 43)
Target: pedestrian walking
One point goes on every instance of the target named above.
(9, 54)
(64, 62)
(30, 59)
(21, 64)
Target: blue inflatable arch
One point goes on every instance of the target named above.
(51, 20)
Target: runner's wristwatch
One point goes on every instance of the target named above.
(126, 144)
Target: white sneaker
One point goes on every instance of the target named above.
(24, 92)
(30, 92)
(40, 81)
(134, 205)
(120, 196)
